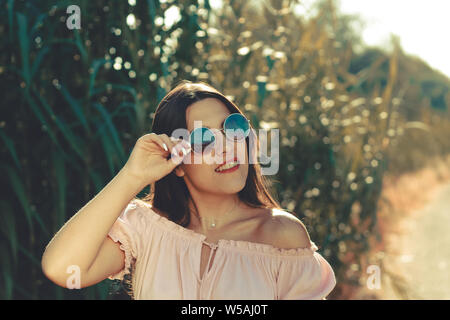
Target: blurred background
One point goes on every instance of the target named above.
(358, 89)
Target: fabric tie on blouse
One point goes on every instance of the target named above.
(165, 258)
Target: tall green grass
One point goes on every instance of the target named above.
(70, 119)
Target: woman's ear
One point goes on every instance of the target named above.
(179, 171)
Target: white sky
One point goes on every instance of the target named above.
(422, 25)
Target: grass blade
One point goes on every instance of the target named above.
(128, 89)
(29, 255)
(7, 273)
(79, 44)
(37, 61)
(107, 146)
(24, 46)
(67, 133)
(75, 107)
(19, 189)
(10, 6)
(40, 116)
(8, 227)
(95, 66)
(152, 11)
(61, 182)
(10, 145)
(112, 130)
(96, 178)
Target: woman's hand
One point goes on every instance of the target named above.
(148, 162)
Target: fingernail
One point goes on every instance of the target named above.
(175, 153)
(186, 144)
(176, 158)
(165, 147)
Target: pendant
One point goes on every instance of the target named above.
(213, 225)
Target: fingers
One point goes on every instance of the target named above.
(180, 151)
(168, 143)
(177, 148)
(162, 140)
(152, 138)
(181, 145)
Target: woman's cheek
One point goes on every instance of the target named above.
(210, 159)
(244, 171)
(201, 173)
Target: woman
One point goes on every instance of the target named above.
(208, 230)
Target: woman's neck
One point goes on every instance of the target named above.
(214, 211)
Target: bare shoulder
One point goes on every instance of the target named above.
(286, 230)
(148, 204)
(141, 202)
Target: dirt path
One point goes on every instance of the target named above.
(426, 259)
(414, 222)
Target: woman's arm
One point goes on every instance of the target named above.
(83, 243)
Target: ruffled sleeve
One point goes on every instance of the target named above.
(306, 276)
(126, 230)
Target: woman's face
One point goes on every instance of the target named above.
(206, 176)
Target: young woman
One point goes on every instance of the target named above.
(208, 230)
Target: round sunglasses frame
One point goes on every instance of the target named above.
(224, 130)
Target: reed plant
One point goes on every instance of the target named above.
(75, 101)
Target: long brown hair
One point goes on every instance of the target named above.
(170, 194)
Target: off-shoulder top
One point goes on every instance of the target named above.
(164, 260)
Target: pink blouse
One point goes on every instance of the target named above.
(165, 261)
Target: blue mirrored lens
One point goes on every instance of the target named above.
(237, 126)
(200, 138)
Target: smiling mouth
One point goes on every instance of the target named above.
(228, 167)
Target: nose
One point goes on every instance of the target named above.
(230, 146)
(233, 148)
(224, 145)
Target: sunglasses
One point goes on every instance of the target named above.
(236, 127)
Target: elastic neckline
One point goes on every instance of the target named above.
(243, 245)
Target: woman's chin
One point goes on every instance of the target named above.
(232, 188)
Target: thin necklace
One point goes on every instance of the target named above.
(213, 223)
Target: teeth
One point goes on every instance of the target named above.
(227, 166)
